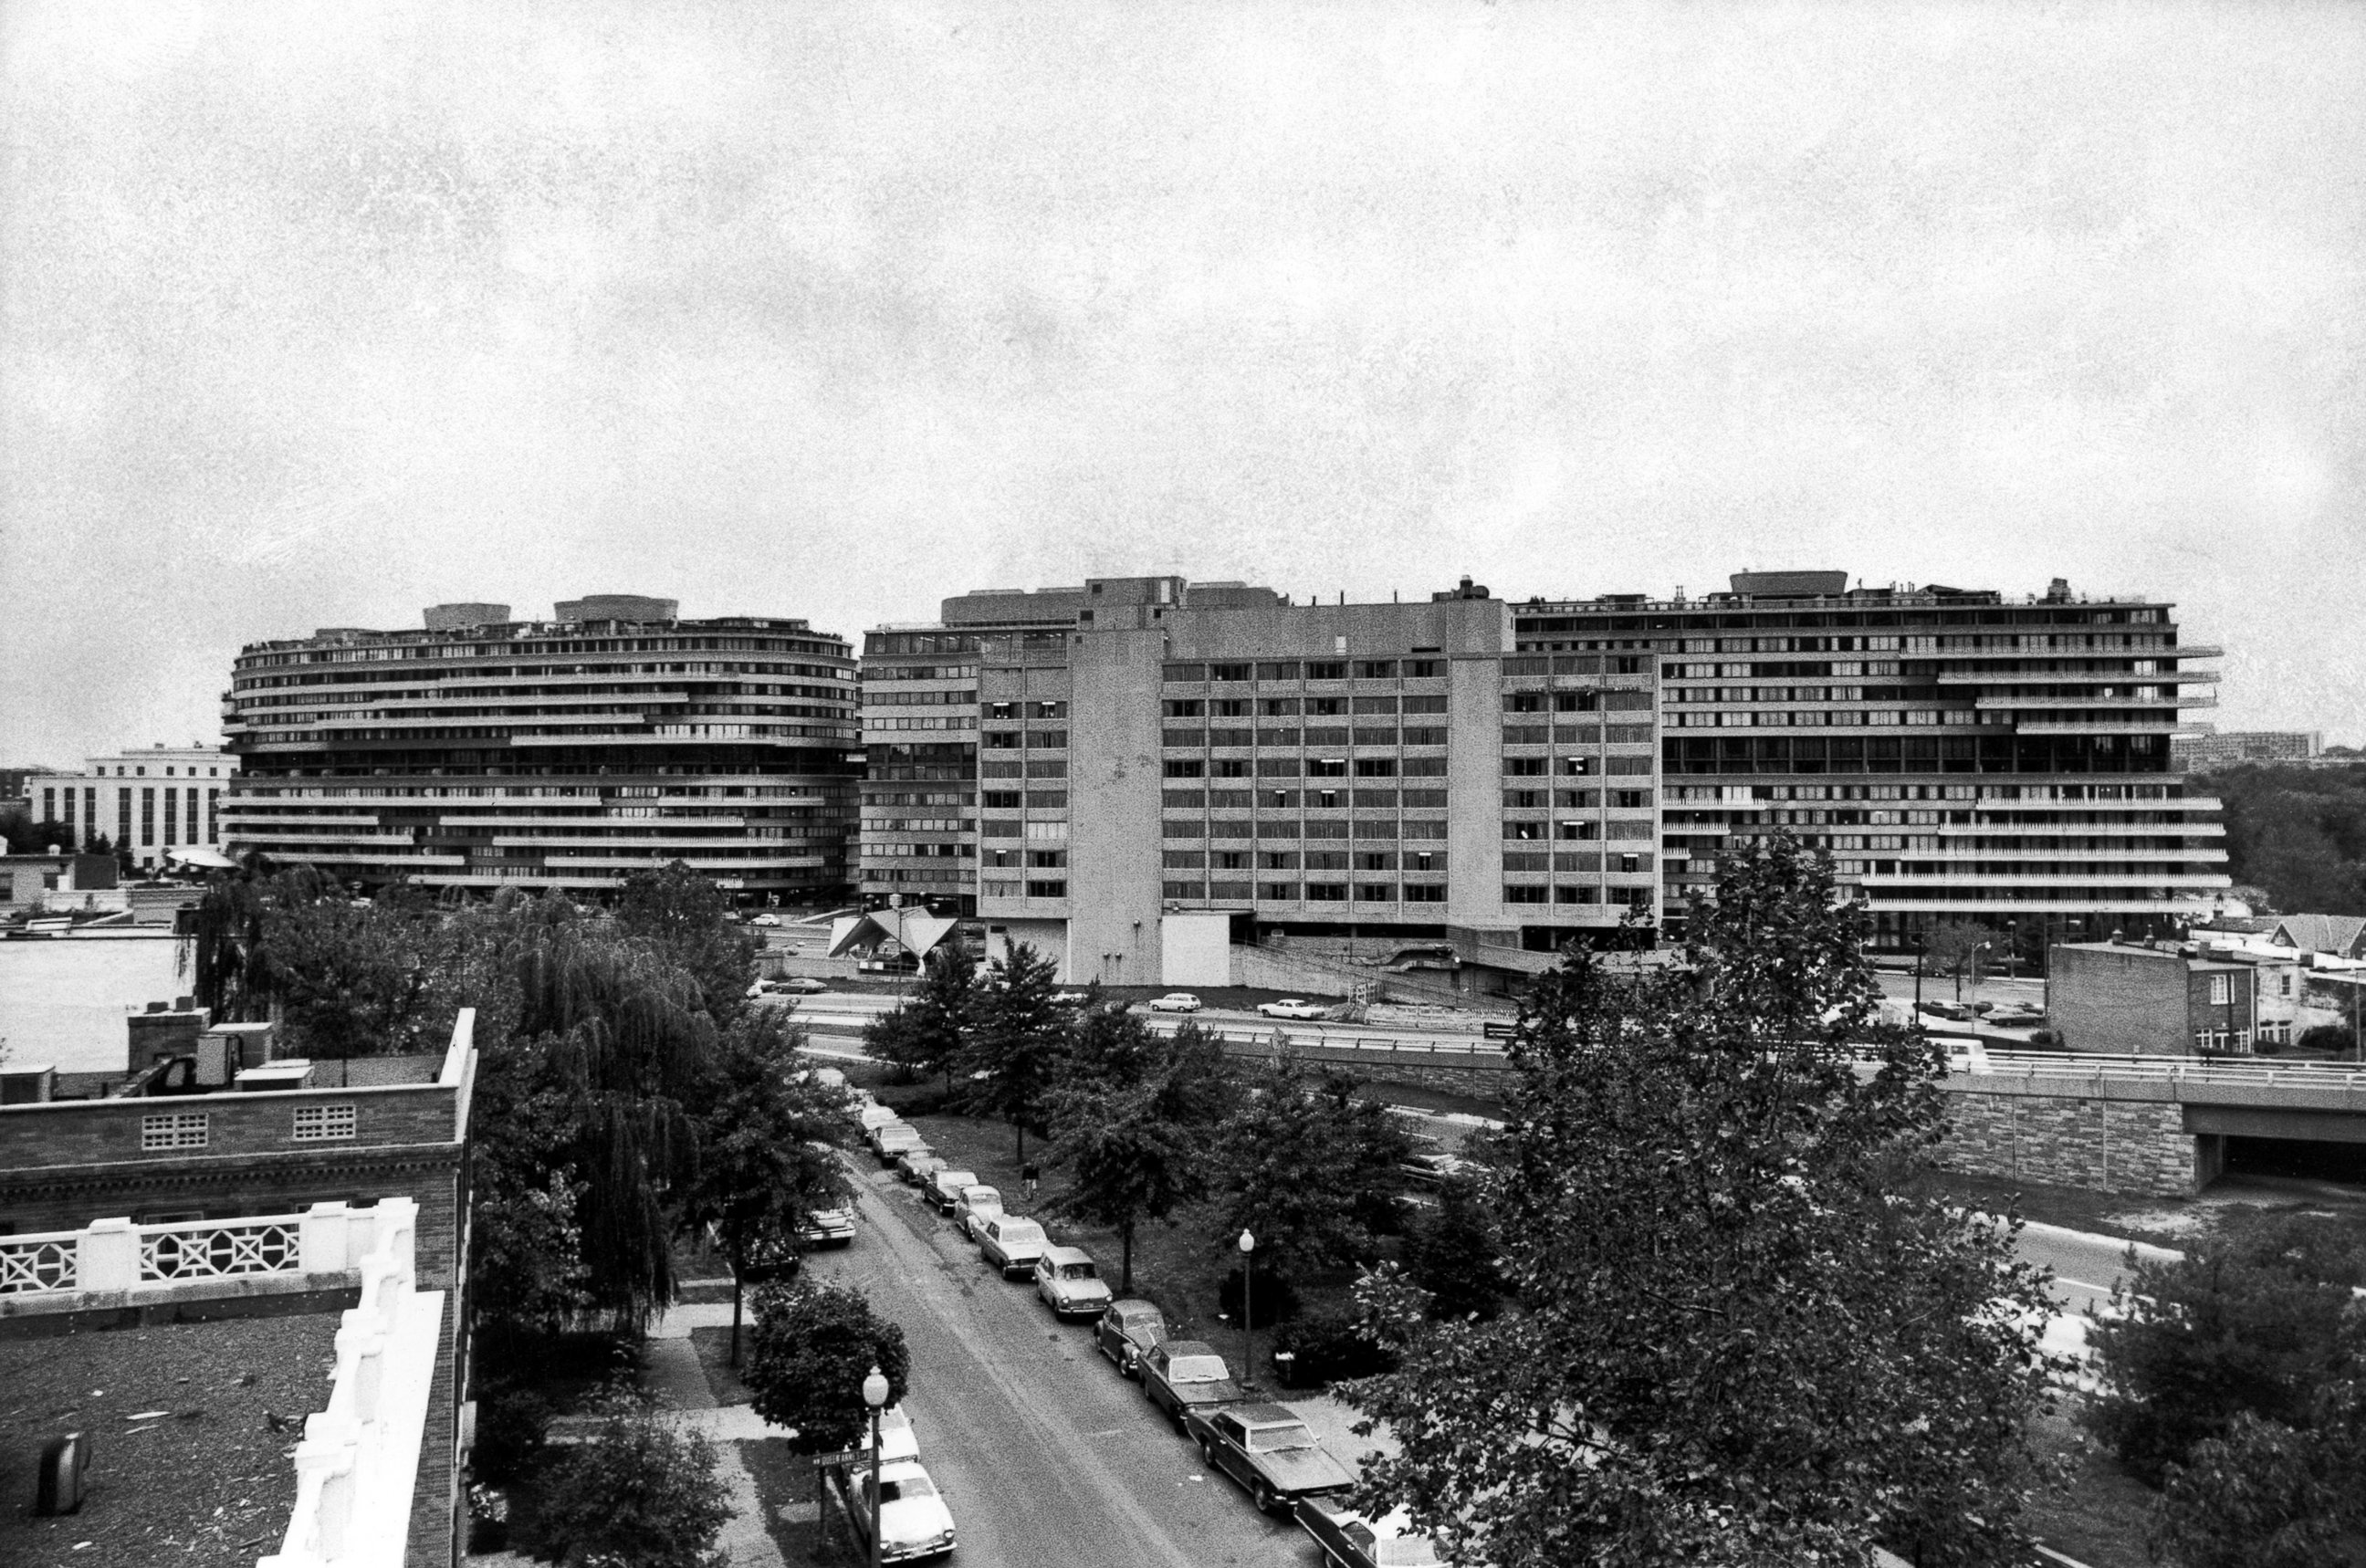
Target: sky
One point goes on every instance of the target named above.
(313, 315)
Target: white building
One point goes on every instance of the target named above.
(145, 801)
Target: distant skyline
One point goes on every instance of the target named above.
(316, 315)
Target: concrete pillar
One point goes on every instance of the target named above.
(107, 1257)
(322, 1239)
(2209, 1159)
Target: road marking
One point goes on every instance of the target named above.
(2082, 1284)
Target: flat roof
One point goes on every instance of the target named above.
(207, 1484)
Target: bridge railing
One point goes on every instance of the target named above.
(2051, 1063)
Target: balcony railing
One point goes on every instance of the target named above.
(115, 1255)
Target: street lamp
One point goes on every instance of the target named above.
(1921, 945)
(874, 1394)
(1977, 948)
(1249, 1322)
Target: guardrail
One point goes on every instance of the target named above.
(2311, 1074)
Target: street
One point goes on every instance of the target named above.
(1042, 1452)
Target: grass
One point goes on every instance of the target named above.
(2100, 1518)
(714, 1347)
(785, 1482)
(2077, 1208)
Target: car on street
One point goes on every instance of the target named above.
(765, 921)
(1269, 1449)
(975, 1206)
(1012, 1245)
(1954, 1011)
(1070, 998)
(943, 1188)
(1350, 1540)
(828, 1227)
(1292, 1007)
(797, 985)
(889, 1142)
(897, 1439)
(1175, 1001)
(1431, 1168)
(1068, 1282)
(918, 1164)
(1128, 1331)
(1186, 1374)
(874, 1116)
(2014, 1015)
(914, 1523)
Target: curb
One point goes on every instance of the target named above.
(2146, 1251)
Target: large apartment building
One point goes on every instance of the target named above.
(1163, 768)
(1961, 754)
(484, 751)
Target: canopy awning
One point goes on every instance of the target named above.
(915, 931)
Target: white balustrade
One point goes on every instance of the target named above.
(115, 1255)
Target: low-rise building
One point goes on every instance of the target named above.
(2214, 749)
(2145, 998)
(145, 803)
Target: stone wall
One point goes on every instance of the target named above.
(2113, 1146)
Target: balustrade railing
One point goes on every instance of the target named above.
(117, 1254)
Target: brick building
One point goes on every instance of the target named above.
(2140, 999)
(216, 1161)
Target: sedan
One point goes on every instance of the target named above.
(1127, 1331)
(1175, 1001)
(916, 1165)
(1292, 1007)
(975, 1207)
(1348, 1541)
(943, 1190)
(1068, 1282)
(828, 1227)
(1271, 1451)
(914, 1522)
(798, 985)
(765, 921)
(1186, 1374)
(1012, 1245)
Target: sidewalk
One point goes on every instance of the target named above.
(669, 1368)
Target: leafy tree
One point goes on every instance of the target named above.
(813, 1345)
(2253, 1324)
(1451, 1255)
(1308, 1168)
(25, 837)
(765, 1160)
(1950, 946)
(2299, 833)
(1132, 1121)
(527, 1274)
(1017, 1037)
(2269, 1495)
(1737, 1337)
(636, 1491)
(923, 1034)
(681, 916)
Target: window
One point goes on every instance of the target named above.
(1280, 892)
(1047, 890)
(1326, 707)
(1278, 707)
(1631, 799)
(1424, 893)
(1524, 829)
(1576, 767)
(176, 1130)
(1327, 670)
(1002, 800)
(1278, 671)
(2222, 990)
(1376, 669)
(1524, 702)
(324, 1124)
(1228, 671)
(1186, 768)
(1183, 859)
(1526, 895)
(1526, 767)
(1326, 892)
(1055, 860)
(1326, 767)
(1187, 672)
(1229, 859)
(1423, 669)
(1376, 767)
(1185, 707)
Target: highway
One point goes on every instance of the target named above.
(1043, 1452)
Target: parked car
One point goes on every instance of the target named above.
(943, 1188)
(890, 1141)
(1070, 998)
(828, 1227)
(2014, 1015)
(1268, 1449)
(1955, 1012)
(1127, 1331)
(875, 1115)
(798, 985)
(765, 921)
(1067, 1283)
(1431, 1169)
(916, 1164)
(1012, 1245)
(1175, 1001)
(914, 1522)
(975, 1206)
(1350, 1540)
(1292, 1007)
(897, 1439)
(1186, 1374)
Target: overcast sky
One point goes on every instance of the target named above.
(317, 315)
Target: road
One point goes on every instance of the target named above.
(2085, 1267)
(1043, 1452)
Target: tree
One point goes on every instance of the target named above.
(636, 1491)
(2268, 1495)
(1451, 1254)
(1737, 1337)
(1308, 1168)
(765, 1165)
(923, 1034)
(1017, 1037)
(1950, 947)
(25, 837)
(681, 915)
(2256, 1322)
(2299, 833)
(527, 1275)
(1133, 1123)
(813, 1345)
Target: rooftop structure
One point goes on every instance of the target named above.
(565, 753)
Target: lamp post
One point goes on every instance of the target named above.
(1977, 948)
(874, 1394)
(1248, 1321)
(1921, 945)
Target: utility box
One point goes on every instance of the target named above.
(64, 1464)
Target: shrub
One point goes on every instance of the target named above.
(1329, 1345)
(2327, 1037)
(510, 1422)
(813, 1345)
(1274, 1299)
(636, 1492)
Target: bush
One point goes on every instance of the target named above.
(510, 1424)
(1274, 1299)
(1452, 1255)
(813, 1346)
(2332, 1037)
(636, 1492)
(1328, 1346)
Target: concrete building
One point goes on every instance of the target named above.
(1168, 772)
(145, 802)
(225, 1183)
(483, 752)
(2208, 749)
(1961, 755)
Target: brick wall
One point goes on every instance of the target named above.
(70, 1133)
(2122, 1000)
(2113, 1146)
